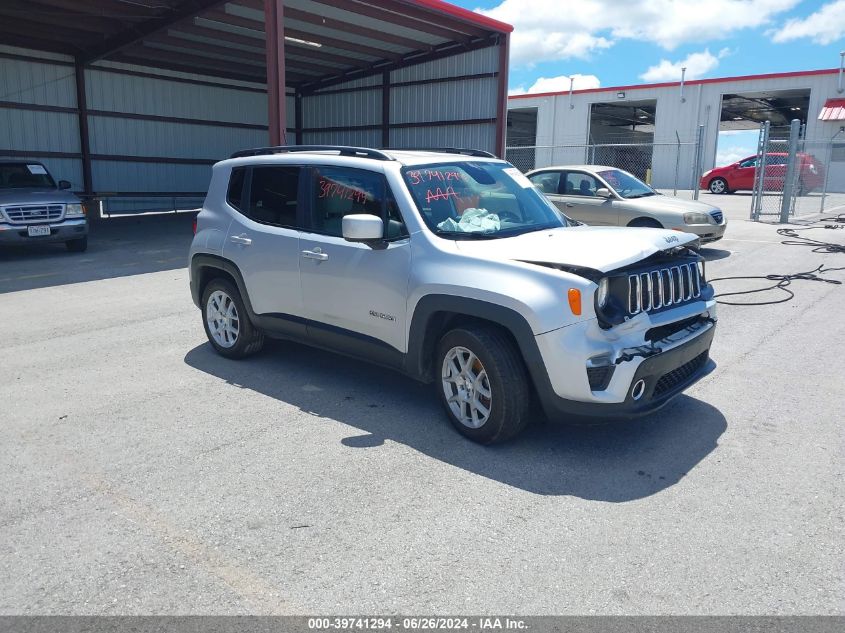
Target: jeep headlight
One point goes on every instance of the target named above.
(602, 293)
(74, 210)
(696, 218)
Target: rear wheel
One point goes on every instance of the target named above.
(650, 223)
(77, 246)
(226, 323)
(483, 384)
(718, 185)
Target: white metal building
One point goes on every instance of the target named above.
(561, 127)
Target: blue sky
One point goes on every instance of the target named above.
(618, 42)
(606, 43)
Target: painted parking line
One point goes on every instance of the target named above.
(23, 277)
(731, 239)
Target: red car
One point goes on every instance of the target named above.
(740, 175)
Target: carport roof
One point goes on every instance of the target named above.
(326, 41)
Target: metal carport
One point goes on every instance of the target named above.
(135, 99)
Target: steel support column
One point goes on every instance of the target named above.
(297, 117)
(84, 142)
(385, 109)
(502, 110)
(275, 47)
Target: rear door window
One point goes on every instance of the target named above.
(273, 195)
(581, 184)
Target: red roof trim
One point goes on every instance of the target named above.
(834, 103)
(694, 82)
(464, 14)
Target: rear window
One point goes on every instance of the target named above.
(234, 196)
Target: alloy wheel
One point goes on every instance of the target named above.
(467, 387)
(221, 314)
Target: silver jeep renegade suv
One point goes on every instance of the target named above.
(453, 269)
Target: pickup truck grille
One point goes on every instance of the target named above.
(664, 287)
(34, 213)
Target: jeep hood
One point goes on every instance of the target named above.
(601, 248)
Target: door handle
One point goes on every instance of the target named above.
(570, 205)
(240, 239)
(317, 254)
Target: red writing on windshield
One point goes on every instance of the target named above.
(331, 189)
(429, 175)
(440, 194)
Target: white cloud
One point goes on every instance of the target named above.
(732, 155)
(548, 30)
(697, 65)
(825, 26)
(558, 84)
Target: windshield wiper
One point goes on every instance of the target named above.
(473, 235)
(642, 195)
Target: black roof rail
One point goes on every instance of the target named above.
(480, 153)
(342, 150)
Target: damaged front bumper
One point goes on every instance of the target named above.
(629, 370)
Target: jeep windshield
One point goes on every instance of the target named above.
(626, 185)
(479, 200)
(25, 176)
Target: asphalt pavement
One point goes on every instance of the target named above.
(143, 474)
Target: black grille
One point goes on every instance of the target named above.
(680, 375)
(717, 215)
(599, 377)
(662, 288)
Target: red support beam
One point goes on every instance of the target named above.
(502, 110)
(84, 143)
(274, 27)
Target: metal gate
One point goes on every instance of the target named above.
(776, 177)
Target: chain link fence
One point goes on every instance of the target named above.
(670, 167)
(794, 176)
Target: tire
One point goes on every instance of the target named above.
(718, 185)
(649, 223)
(488, 355)
(77, 246)
(234, 336)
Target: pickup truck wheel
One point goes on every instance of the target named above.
(483, 384)
(226, 323)
(77, 246)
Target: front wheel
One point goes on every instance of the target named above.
(483, 384)
(226, 323)
(718, 185)
(648, 223)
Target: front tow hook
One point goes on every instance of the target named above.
(645, 351)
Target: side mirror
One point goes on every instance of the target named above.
(64, 184)
(362, 227)
(603, 192)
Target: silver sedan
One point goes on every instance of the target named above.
(600, 195)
